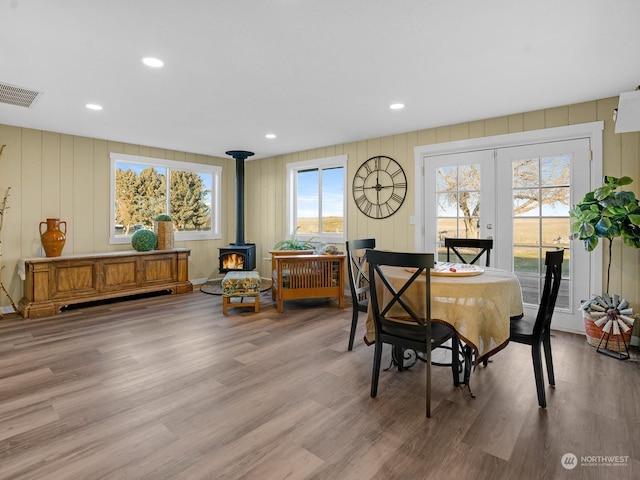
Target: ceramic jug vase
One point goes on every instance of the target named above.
(53, 238)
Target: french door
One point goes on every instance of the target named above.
(537, 184)
(520, 196)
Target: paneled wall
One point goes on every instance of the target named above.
(266, 180)
(53, 175)
(56, 175)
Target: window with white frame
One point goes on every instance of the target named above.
(143, 188)
(316, 207)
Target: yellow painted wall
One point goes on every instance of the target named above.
(265, 216)
(57, 175)
(53, 175)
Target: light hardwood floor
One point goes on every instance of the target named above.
(168, 387)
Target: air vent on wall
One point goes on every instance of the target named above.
(20, 96)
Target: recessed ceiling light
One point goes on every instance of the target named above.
(270, 136)
(152, 62)
(93, 106)
(396, 106)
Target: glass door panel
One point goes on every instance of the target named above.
(459, 197)
(537, 184)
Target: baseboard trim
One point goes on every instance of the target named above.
(7, 310)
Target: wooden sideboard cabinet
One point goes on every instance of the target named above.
(51, 283)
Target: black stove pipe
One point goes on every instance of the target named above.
(240, 156)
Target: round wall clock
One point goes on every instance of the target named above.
(379, 187)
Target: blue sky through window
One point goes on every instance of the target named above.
(332, 193)
(137, 167)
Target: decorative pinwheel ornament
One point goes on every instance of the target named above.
(610, 313)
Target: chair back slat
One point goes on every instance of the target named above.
(483, 246)
(358, 274)
(358, 280)
(553, 276)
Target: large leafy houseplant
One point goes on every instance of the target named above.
(607, 212)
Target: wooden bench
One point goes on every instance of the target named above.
(298, 274)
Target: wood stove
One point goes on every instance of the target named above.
(239, 255)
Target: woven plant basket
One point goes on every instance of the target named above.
(164, 231)
(594, 333)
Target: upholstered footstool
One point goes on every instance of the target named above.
(241, 284)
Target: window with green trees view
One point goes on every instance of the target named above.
(143, 188)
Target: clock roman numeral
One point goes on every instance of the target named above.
(378, 211)
(396, 198)
(396, 173)
(389, 209)
(360, 177)
(361, 201)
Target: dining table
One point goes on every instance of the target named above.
(478, 303)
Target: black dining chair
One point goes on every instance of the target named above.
(407, 329)
(536, 332)
(358, 280)
(480, 246)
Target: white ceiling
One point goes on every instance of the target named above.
(315, 72)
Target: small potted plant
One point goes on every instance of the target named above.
(607, 213)
(163, 227)
(292, 243)
(144, 240)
